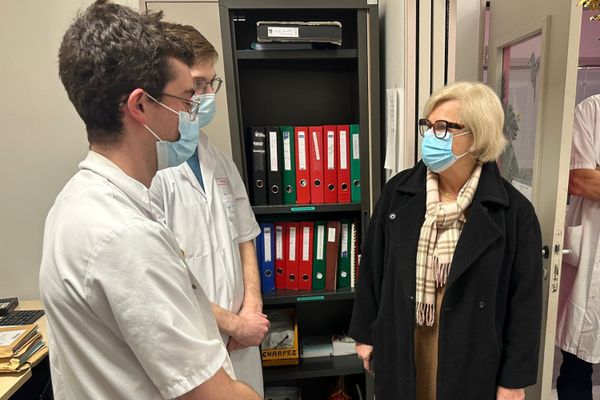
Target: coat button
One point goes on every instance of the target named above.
(392, 216)
(482, 304)
(194, 286)
(411, 298)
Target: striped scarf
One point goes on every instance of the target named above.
(437, 241)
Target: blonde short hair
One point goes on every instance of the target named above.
(480, 111)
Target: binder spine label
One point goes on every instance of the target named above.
(330, 150)
(316, 145)
(267, 244)
(287, 154)
(273, 154)
(320, 237)
(301, 151)
(343, 155)
(344, 246)
(355, 147)
(305, 243)
(331, 235)
(292, 249)
(279, 243)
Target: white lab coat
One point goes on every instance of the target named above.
(578, 329)
(126, 318)
(209, 225)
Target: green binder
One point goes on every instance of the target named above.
(344, 273)
(289, 165)
(319, 258)
(355, 162)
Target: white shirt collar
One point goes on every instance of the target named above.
(132, 188)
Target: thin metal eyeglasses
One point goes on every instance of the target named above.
(440, 127)
(193, 107)
(215, 83)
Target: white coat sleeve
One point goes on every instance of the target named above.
(584, 132)
(166, 323)
(246, 224)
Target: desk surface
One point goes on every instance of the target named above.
(10, 383)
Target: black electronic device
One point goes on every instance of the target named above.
(7, 305)
(21, 317)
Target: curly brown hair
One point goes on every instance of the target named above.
(109, 51)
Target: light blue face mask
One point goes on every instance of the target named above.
(437, 153)
(171, 154)
(208, 107)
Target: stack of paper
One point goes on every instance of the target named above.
(19, 346)
(343, 345)
(316, 346)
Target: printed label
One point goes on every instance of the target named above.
(267, 241)
(273, 152)
(331, 150)
(343, 154)
(320, 237)
(277, 31)
(279, 243)
(301, 151)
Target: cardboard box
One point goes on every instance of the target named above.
(283, 355)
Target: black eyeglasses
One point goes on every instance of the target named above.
(440, 127)
(201, 85)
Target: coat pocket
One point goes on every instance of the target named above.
(572, 242)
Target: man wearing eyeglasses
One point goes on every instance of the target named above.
(126, 317)
(206, 205)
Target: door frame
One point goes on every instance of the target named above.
(552, 158)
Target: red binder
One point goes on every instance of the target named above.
(329, 165)
(292, 259)
(302, 160)
(305, 251)
(332, 253)
(280, 254)
(344, 193)
(315, 138)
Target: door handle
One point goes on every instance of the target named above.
(545, 252)
(567, 251)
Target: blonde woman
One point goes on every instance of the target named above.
(449, 298)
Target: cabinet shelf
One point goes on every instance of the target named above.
(295, 296)
(306, 208)
(315, 367)
(295, 54)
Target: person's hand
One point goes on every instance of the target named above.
(253, 326)
(503, 393)
(365, 353)
(233, 345)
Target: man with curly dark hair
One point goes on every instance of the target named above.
(127, 319)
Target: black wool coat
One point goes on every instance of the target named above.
(490, 321)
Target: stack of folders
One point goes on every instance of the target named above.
(20, 346)
(305, 164)
(307, 255)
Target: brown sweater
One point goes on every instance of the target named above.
(426, 353)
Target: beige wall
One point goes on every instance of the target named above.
(43, 138)
(469, 38)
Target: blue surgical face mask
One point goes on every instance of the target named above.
(437, 153)
(208, 107)
(171, 154)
